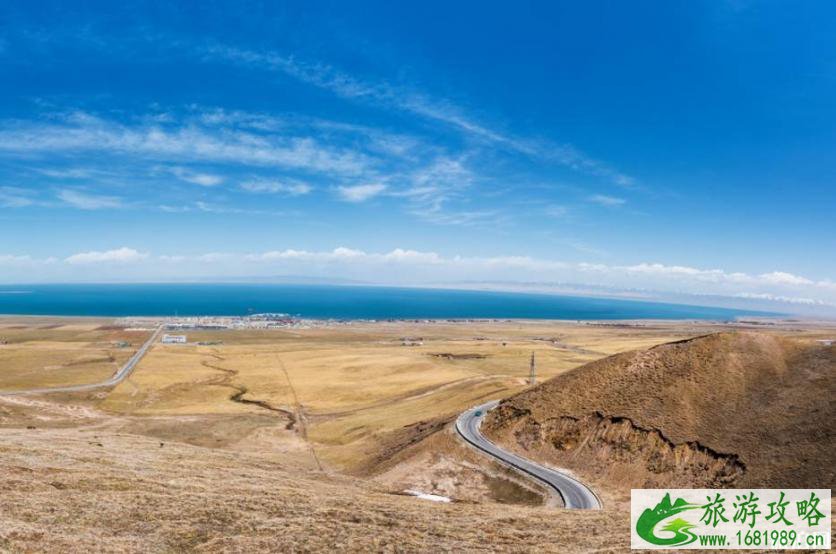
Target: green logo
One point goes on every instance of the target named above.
(681, 529)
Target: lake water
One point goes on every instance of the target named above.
(323, 302)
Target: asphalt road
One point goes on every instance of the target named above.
(114, 380)
(576, 495)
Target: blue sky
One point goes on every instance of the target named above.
(674, 147)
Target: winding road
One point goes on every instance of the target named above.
(114, 380)
(575, 495)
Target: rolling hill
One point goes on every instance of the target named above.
(730, 409)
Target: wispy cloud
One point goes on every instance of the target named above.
(347, 86)
(464, 218)
(410, 266)
(350, 255)
(25, 260)
(357, 162)
(543, 267)
(290, 188)
(67, 173)
(15, 197)
(432, 187)
(120, 255)
(784, 278)
(197, 178)
(208, 207)
(581, 246)
(569, 156)
(86, 201)
(360, 193)
(82, 132)
(382, 93)
(201, 206)
(781, 298)
(556, 211)
(604, 200)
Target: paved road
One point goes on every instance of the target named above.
(114, 380)
(575, 494)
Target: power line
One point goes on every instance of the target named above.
(532, 377)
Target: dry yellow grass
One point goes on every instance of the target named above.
(211, 448)
(37, 352)
(351, 386)
(98, 491)
(724, 410)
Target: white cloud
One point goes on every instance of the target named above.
(207, 207)
(433, 186)
(385, 94)
(572, 158)
(661, 269)
(399, 256)
(15, 197)
(239, 118)
(605, 200)
(85, 201)
(779, 298)
(360, 193)
(783, 278)
(404, 256)
(8, 259)
(409, 266)
(440, 216)
(215, 257)
(827, 284)
(82, 132)
(338, 254)
(290, 188)
(24, 260)
(644, 274)
(69, 173)
(196, 178)
(556, 211)
(174, 209)
(172, 259)
(119, 255)
(211, 208)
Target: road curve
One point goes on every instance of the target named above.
(114, 380)
(575, 495)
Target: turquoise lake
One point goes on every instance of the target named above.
(326, 302)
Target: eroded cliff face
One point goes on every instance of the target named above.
(723, 410)
(615, 449)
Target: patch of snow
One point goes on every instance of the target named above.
(425, 496)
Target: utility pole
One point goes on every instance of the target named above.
(532, 378)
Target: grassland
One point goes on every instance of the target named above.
(289, 440)
(89, 490)
(48, 352)
(349, 388)
(726, 410)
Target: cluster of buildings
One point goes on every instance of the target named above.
(213, 323)
(255, 321)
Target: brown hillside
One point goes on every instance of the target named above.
(96, 490)
(728, 410)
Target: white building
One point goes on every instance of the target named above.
(826, 342)
(174, 339)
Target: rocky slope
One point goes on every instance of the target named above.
(724, 410)
(95, 488)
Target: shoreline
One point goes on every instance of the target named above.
(742, 321)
